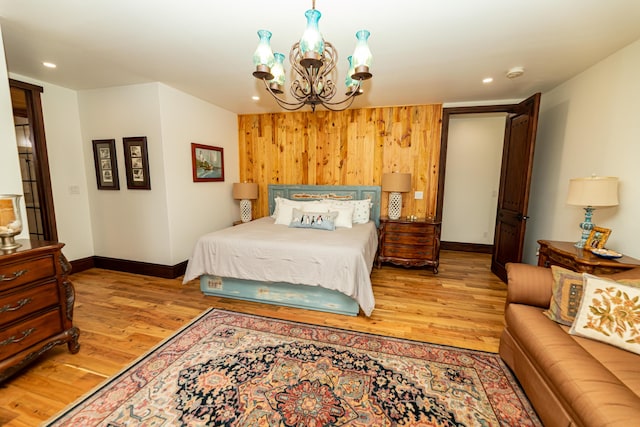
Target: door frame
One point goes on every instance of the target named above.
(444, 139)
(36, 123)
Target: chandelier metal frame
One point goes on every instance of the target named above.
(314, 83)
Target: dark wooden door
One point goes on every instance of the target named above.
(515, 179)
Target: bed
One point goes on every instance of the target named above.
(267, 261)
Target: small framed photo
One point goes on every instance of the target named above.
(598, 238)
(104, 157)
(207, 163)
(136, 162)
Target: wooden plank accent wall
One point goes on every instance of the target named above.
(351, 147)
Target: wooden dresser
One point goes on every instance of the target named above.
(565, 254)
(36, 304)
(410, 243)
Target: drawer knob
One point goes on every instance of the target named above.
(13, 276)
(13, 339)
(21, 303)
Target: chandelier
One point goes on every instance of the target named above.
(313, 60)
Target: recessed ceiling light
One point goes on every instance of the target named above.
(49, 64)
(255, 98)
(487, 80)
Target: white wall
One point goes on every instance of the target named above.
(160, 225)
(10, 180)
(589, 125)
(127, 224)
(472, 177)
(66, 166)
(195, 208)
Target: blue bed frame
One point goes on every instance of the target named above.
(295, 295)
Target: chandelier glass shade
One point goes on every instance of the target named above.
(313, 61)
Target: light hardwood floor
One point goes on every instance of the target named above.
(121, 316)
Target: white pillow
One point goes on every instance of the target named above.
(285, 211)
(361, 209)
(609, 312)
(315, 206)
(345, 215)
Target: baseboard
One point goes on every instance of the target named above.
(136, 267)
(81, 264)
(466, 247)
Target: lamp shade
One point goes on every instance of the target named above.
(593, 191)
(245, 191)
(396, 182)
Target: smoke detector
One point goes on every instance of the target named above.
(515, 72)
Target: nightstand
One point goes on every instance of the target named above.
(565, 254)
(410, 243)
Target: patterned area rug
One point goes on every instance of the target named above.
(231, 369)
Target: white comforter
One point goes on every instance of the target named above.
(260, 250)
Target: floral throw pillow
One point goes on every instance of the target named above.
(609, 312)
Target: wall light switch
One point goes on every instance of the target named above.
(74, 189)
(418, 195)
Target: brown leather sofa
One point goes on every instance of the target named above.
(571, 381)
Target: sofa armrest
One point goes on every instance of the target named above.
(529, 284)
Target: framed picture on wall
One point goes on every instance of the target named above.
(136, 161)
(104, 157)
(207, 163)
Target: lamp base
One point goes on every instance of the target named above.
(245, 210)
(395, 205)
(586, 227)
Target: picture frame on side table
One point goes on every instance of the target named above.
(136, 161)
(106, 163)
(207, 163)
(598, 238)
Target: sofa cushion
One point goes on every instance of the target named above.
(609, 312)
(567, 292)
(566, 295)
(592, 392)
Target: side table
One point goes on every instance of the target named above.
(410, 243)
(565, 254)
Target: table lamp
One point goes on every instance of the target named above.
(592, 192)
(245, 192)
(396, 183)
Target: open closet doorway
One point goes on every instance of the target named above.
(515, 177)
(34, 163)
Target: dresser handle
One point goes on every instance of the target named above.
(17, 274)
(13, 339)
(21, 303)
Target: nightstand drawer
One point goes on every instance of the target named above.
(20, 304)
(408, 227)
(409, 239)
(408, 252)
(23, 335)
(12, 275)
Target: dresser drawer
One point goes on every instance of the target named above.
(409, 227)
(409, 239)
(25, 334)
(19, 304)
(408, 252)
(16, 274)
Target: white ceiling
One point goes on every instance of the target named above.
(425, 51)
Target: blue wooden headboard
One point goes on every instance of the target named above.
(323, 192)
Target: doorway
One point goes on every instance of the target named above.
(515, 176)
(34, 162)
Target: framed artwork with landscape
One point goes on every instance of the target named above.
(207, 163)
(136, 161)
(104, 157)
(598, 237)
